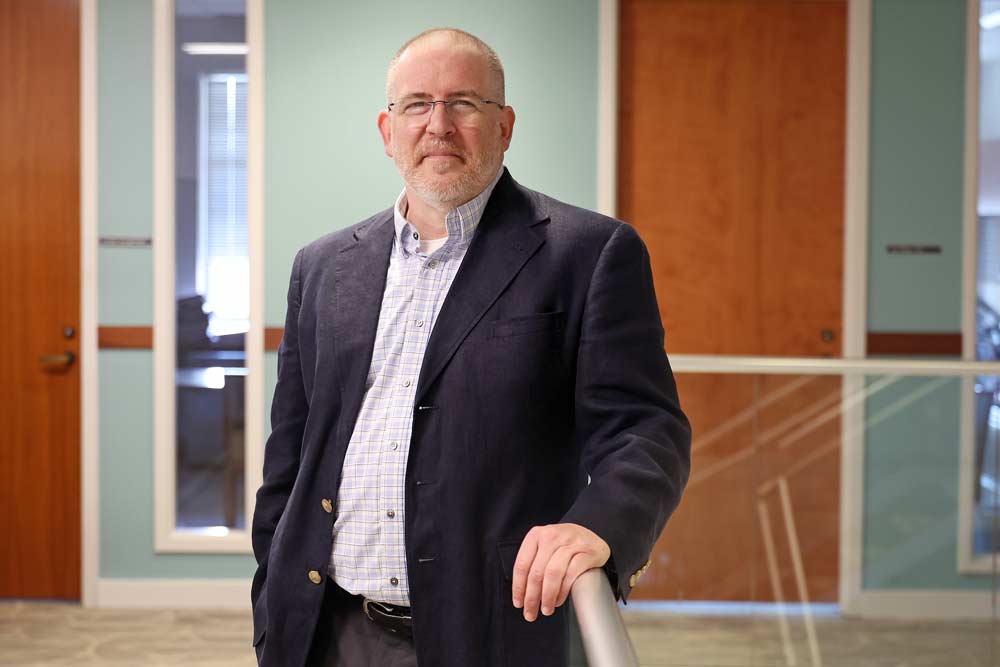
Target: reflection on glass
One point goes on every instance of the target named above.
(212, 268)
(748, 569)
(987, 393)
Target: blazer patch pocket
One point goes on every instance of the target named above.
(527, 324)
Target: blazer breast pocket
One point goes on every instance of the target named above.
(538, 323)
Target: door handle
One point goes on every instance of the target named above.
(57, 360)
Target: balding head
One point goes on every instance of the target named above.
(455, 38)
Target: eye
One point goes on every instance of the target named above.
(463, 105)
(415, 108)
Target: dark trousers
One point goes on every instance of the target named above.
(345, 637)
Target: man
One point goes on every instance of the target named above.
(451, 371)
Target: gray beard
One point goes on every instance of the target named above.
(458, 192)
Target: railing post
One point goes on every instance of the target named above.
(605, 639)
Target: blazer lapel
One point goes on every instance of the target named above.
(504, 241)
(357, 299)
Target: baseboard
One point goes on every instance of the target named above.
(946, 605)
(173, 593)
(235, 594)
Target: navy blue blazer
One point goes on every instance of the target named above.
(546, 364)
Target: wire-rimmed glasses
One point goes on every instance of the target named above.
(418, 110)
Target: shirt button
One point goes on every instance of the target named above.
(406, 383)
(314, 576)
(394, 446)
(430, 264)
(394, 581)
(420, 323)
(391, 514)
(327, 505)
(416, 236)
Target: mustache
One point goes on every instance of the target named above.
(440, 147)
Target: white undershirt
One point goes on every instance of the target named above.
(427, 246)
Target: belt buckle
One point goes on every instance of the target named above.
(387, 614)
(364, 607)
(386, 609)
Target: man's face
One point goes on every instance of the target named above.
(444, 158)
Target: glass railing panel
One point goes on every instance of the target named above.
(749, 571)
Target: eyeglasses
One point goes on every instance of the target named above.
(459, 108)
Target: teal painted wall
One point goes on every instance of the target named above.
(126, 480)
(911, 487)
(325, 64)
(125, 149)
(917, 145)
(916, 161)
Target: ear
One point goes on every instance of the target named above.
(506, 126)
(385, 129)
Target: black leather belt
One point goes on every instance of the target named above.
(393, 618)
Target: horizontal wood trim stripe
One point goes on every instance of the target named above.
(136, 338)
(931, 344)
(272, 338)
(141, 338)
(924, 344)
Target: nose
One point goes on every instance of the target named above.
(439, 122)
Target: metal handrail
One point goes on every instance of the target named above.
(735, 365)
(605, 639)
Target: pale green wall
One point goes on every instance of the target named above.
(325, 82)
(917, 142)
(917, 148)
(126, 470)
(124, 148)
(911, 487)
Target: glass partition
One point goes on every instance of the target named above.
(821, 525)
(212, 265)
(987, 285)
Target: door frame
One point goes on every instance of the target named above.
(89, 435)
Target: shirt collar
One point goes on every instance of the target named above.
(460, 223)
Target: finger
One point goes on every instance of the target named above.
(536, 576)
(579, 564)
(555, 572)
(522, 565)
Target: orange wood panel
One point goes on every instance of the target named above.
(731, 166)
(39, 298)
(272, 338)
(140, 338)
(750, 433)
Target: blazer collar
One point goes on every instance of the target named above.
(503, 242)
(359, 281)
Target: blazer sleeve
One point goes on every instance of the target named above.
(634, 438)
(289, 410)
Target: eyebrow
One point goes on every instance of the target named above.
(457, 93)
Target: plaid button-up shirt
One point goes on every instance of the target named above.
(368, 555)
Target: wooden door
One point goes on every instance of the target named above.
(40, 304)
(731, 167)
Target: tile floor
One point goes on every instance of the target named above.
(36, 634)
